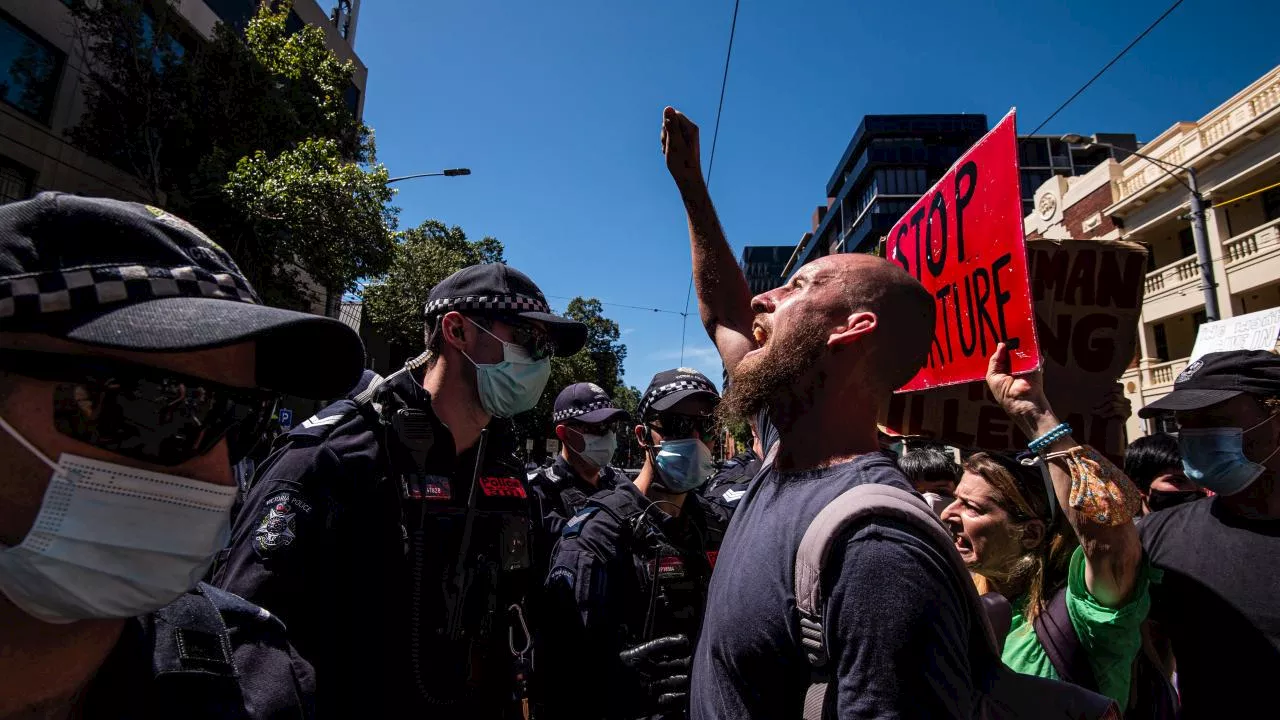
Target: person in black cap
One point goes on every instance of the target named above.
(405, 507)
(1221, 555)
(136, 365)
(585, 419)
(628, 578)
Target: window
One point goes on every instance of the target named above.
(1162, 342)
(293, 23)
(351, 96)
(1186, 242)
(16, 181)
(1032, 180)
(1033, 152)
(170, 50)
(1271, 204)
(235, 13)
(29, 70)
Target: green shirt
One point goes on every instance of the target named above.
(1111, 637)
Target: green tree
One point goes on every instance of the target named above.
(599, 361)
(247, 136)
(421, 258)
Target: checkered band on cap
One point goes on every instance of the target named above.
(570, 413)
(97, 287)
(490, 303)
(664, 390)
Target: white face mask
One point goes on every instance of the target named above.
(112, 541)
(597, 449)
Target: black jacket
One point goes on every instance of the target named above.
(623, 572)
(352, 534)
(209, 654)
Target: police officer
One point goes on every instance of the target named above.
(136, 366)
(391, 531)
(730, 483)
(628, 578)
(584, 416)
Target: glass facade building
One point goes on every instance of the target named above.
(890, 162)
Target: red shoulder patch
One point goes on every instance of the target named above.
(502, 487)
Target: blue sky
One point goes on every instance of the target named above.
(556, 106)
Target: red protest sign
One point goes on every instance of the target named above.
(963, 241)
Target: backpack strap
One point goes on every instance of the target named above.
(855, 505)
(1057, 635)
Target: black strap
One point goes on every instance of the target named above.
(1058, 638)
(191, 637)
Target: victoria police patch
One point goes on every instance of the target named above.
(278, 527)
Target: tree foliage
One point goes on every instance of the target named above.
(599, 361)
(421, 258)
(248, 136)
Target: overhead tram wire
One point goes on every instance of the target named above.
(1107, 67)
(711, 163)
(624, 305)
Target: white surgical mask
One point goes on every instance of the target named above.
(597, 449)
(112, 541)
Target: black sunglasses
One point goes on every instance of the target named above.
(679, 427)
(143, 412)
(535, 341)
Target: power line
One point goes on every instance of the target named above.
(614, 304)
(1107, 67)
(711, 163)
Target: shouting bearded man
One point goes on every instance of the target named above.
(812, 361)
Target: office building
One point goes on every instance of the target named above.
(41, 88)
(1041, 157)
(890, 162)
(893, 159)
(762, 265)
(1235, 151)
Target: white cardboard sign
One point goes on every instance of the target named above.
(1252, 331)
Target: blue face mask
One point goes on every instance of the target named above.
(513, 385)
(1214, 458)
(683, 464)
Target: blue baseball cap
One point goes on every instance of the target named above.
(586, 403)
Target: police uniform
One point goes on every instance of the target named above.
(723, 491)
(626, 572)
(558, 492)
(208, 655)
(623, 572)
(399, 578)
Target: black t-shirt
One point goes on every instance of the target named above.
(1219, 604)
(897, 624)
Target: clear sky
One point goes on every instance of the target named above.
(556, 107)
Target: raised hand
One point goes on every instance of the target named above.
(680, 147)
(1022, 397)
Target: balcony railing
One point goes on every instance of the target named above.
(1172, 275)
(1162, 374)
(1257, 241)
(1209, 132)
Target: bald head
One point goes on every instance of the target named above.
(904, 315)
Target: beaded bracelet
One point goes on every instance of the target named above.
(1049, 438)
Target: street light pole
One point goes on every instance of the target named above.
(1201, 237)
(452, 172)
(1198, 231)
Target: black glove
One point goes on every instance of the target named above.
(662, 669)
